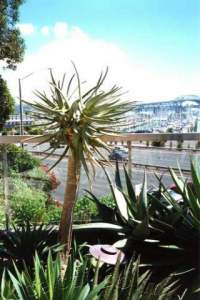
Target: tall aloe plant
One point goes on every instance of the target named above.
(78, 120)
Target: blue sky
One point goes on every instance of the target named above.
(158, 41)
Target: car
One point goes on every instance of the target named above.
(143, 131)
(121, 148)
(118, 153)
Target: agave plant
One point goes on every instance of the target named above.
(82, 282)
(164, 232)
(20, 244)
(78, 119)
(190, 192)
(132, 283)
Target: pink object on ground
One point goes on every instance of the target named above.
(106, 253)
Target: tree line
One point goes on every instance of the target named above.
(12, 49)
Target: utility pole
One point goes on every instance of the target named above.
(20, 104)
(20, 108)
(5, 186)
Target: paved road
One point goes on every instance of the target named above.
(100, 185)
(141, 156)
(163, 158)
(147, 156)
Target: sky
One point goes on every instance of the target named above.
(150, 46)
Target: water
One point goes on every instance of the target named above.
(150, 125)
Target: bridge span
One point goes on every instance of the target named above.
(177, 105)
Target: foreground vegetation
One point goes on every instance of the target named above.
(83, 281)
(164, 233)
(158, 232)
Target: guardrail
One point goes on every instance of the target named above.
(13, 139)
(123, 138)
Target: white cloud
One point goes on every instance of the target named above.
(92, 55)
(45, 30)
(26, 28)
(60, 30)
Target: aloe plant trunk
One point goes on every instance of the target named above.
(71, 189)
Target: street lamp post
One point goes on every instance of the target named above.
(20, 103)
(20, 108)
(20, 99)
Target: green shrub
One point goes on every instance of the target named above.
(108, 200)
(28, 210)
(158, 143)
(179, 145)
(29, 198)
(27, 204)
(169, 130)
(19, 159)
(52, 215)
(38, 173)
(84, 210)
(35, 130)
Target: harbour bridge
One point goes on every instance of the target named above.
(177, 105)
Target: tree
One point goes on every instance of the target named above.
(79, 120)
(12, 44)
(7, 104)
